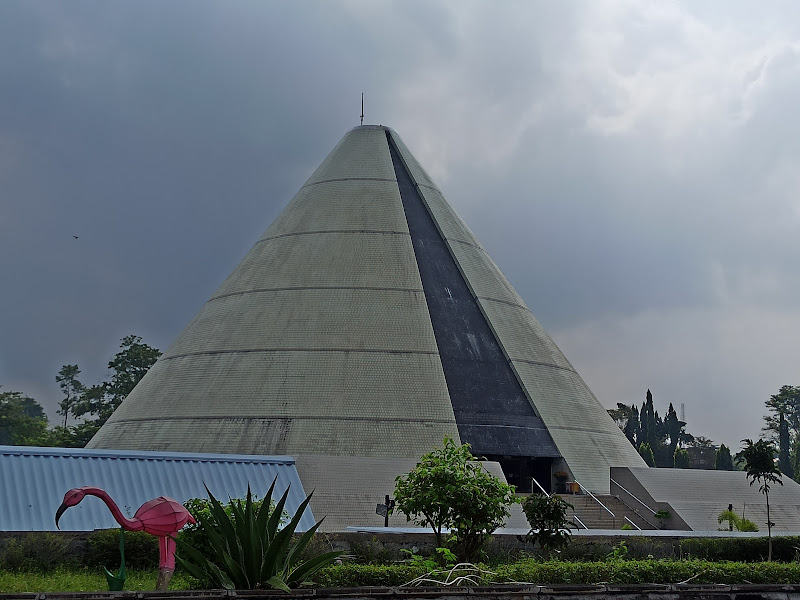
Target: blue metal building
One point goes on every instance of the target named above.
(33, 482)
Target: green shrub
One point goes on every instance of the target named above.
(141, 550)
(735, 522)
(646, 452)
(648, 571)
(560, 572)
(448, 489)
(200, 509)
(547, 516)
(38, 551)
(680, 459)
(740, 549)
(355, 575)
(253, 550)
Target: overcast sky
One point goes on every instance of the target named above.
(633, 168)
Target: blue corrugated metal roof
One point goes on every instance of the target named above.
(33, 482)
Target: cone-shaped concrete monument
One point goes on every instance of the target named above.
(364, 326)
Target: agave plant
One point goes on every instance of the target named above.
(252, 550)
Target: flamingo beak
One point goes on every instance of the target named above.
(60, 512)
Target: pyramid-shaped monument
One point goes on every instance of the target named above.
(366, 325)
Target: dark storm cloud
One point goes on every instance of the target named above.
(631, 166)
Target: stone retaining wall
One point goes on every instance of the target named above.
(555, 592)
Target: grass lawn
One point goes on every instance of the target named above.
(64, 580)
(530, 571)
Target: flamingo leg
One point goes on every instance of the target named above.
(166, 564)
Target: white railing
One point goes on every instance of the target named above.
(608, 510)
(632, 496)
(578, 519)
(632, 523)
(539, 486)
(574, 516)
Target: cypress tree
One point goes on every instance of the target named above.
(722, 459)
(646, 452)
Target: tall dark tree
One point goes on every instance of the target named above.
(647, 419)
(782, 425)
(67, 379)
(723, 461)
(633, 428)
(673, 427)
(759, 463)
(783, 448)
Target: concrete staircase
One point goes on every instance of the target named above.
(595, 516)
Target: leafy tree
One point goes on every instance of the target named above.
(622, 414)
(447, 489)
(73, 436)
(22, 419)
(700, 441)
(128, 367)
(547, 516)
(681, 459)
(782, 425)
(627, 419)
(647, 454)
(94, 401)
(723, 461)
(759, 463)
(67, 379)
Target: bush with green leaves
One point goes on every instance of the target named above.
(750, 549)
(547, 516)
(646, 452)
(680, 459)
(201, 509)
(252, 550)
(565, 572)
(141, 549)
(37, 552)
(449, 490)
(735, 522)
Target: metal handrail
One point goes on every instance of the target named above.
(574, 516)
(632, 496)
(632, 523)
(638, 513)
(608, 510)
(540, 486)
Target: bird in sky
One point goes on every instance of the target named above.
(75, 236)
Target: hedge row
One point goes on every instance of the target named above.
(649, 571)
(555, 572)
(741, 549)
(43, 551)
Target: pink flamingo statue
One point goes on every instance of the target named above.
(162, 517)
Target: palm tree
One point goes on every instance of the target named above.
(759, 459)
